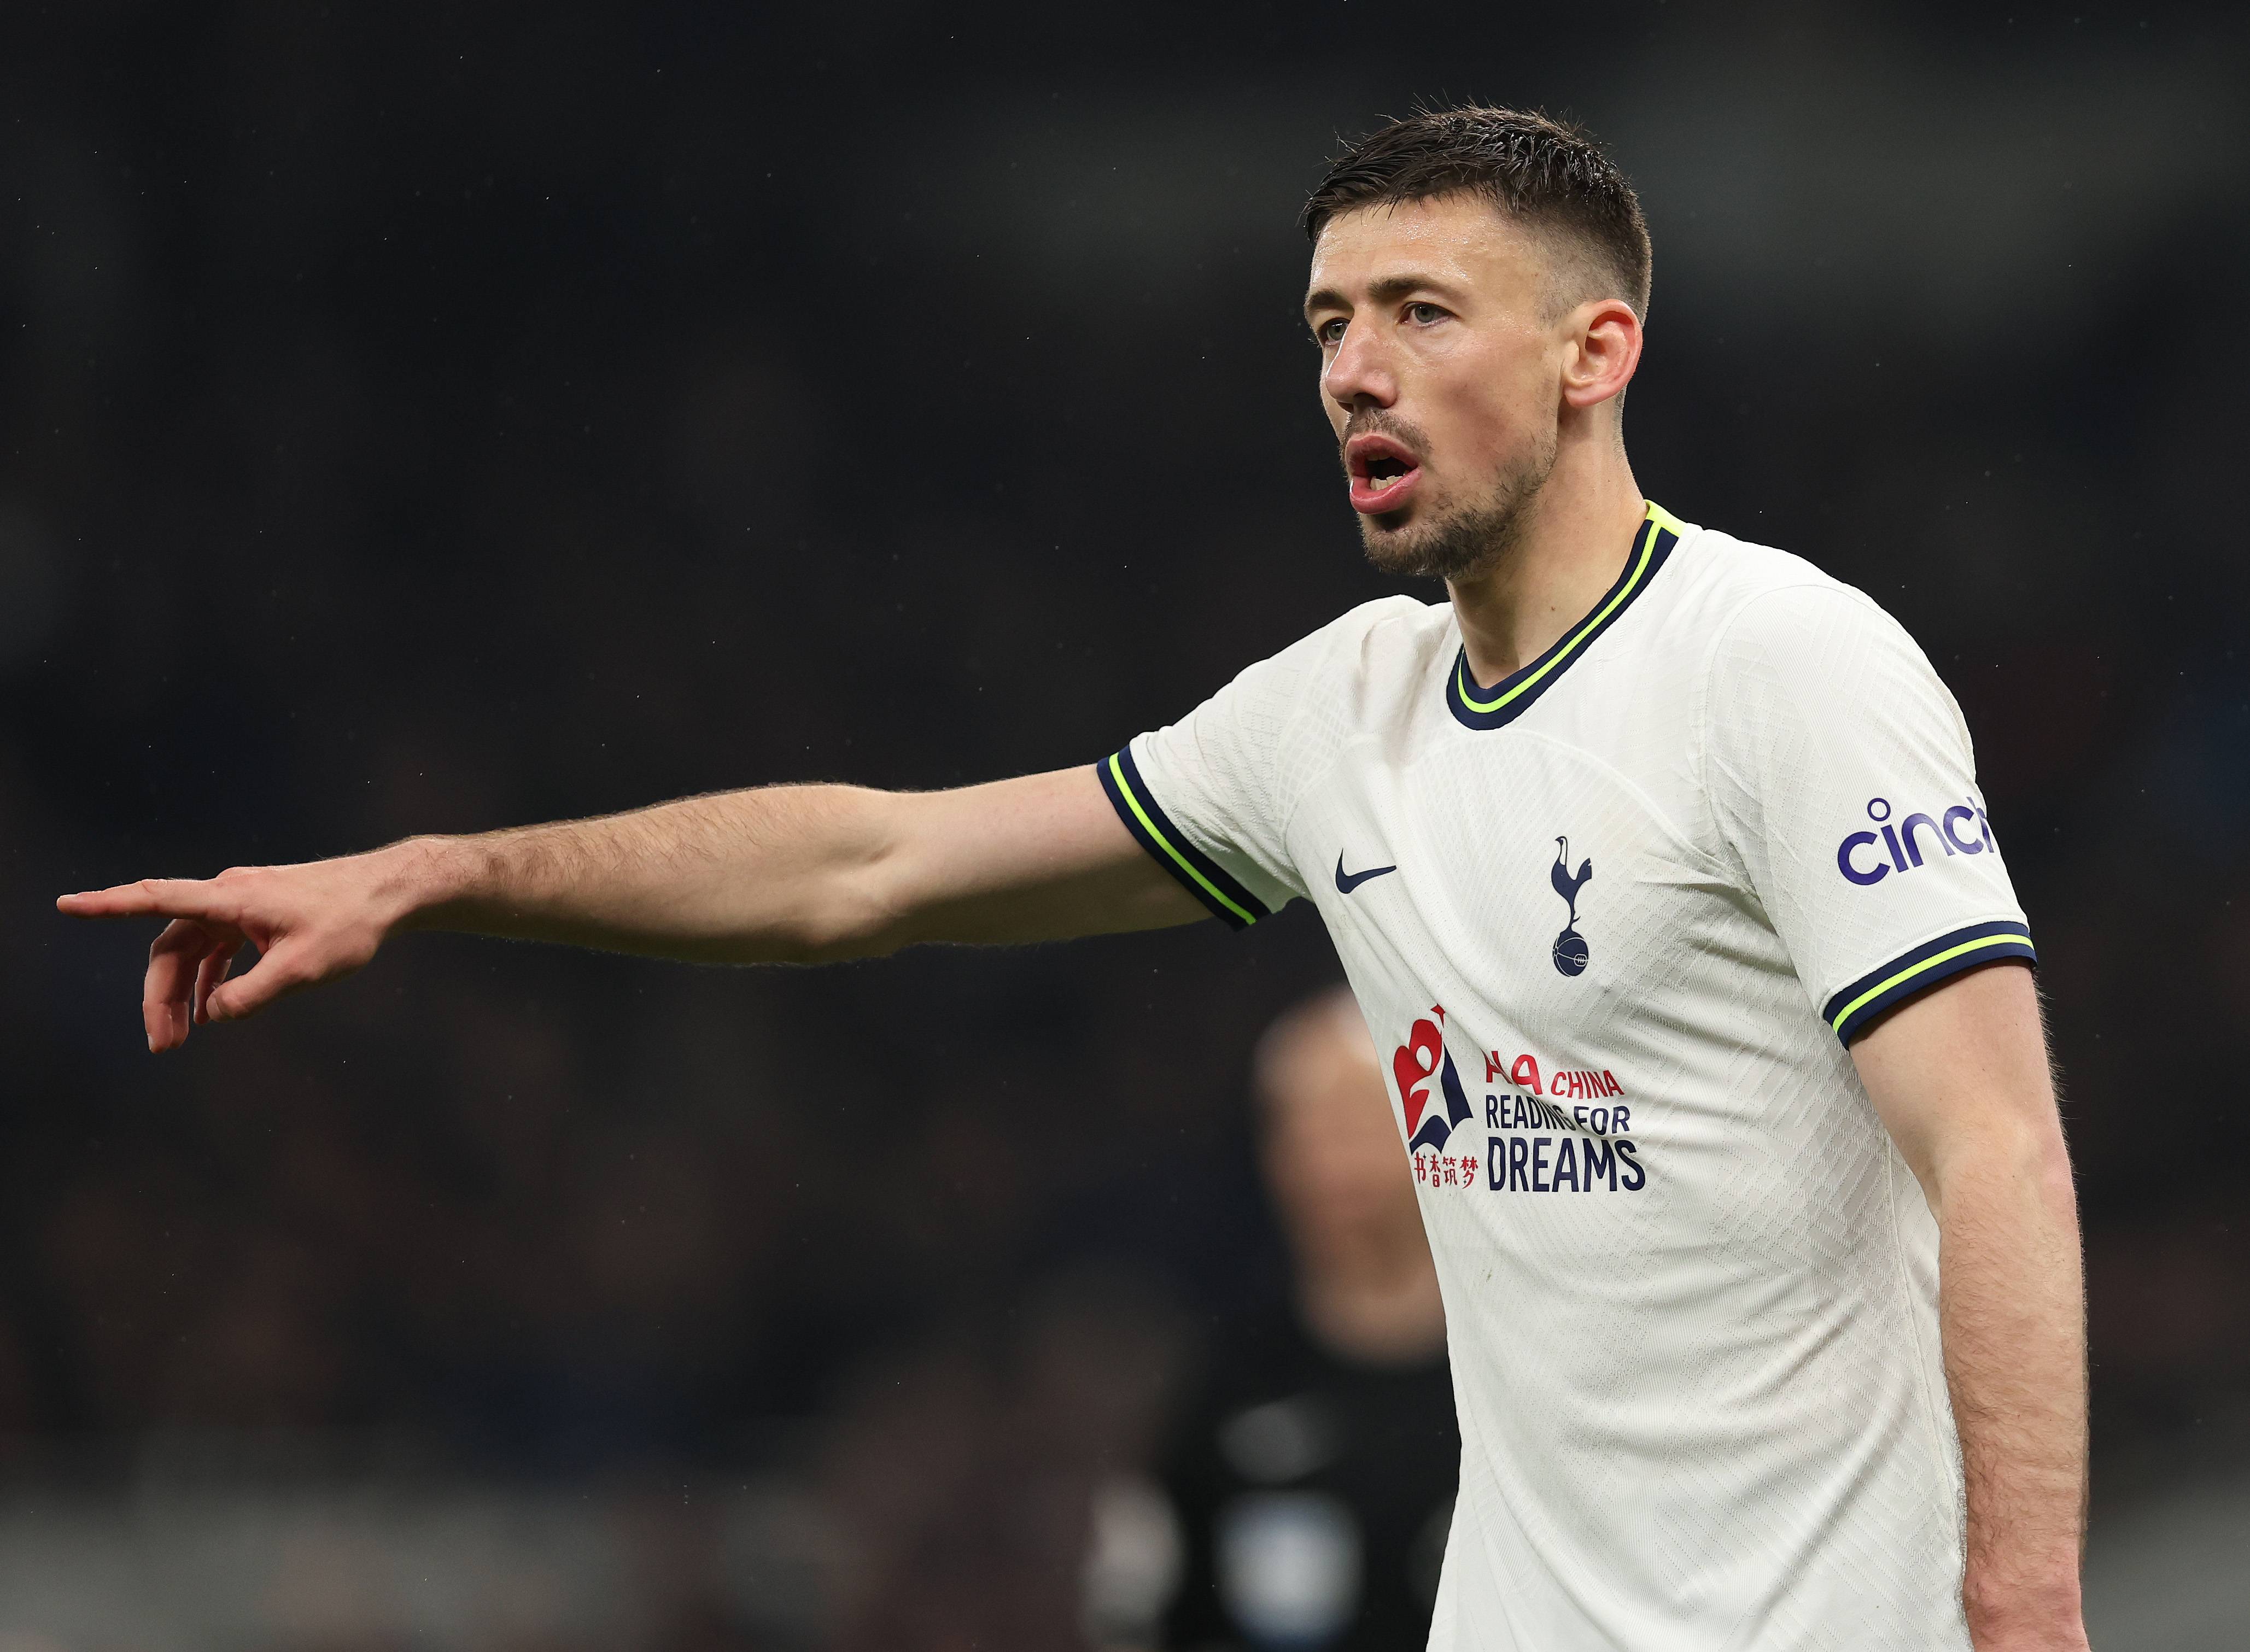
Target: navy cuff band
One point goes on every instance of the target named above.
(1868, 1000)
(1198, 874)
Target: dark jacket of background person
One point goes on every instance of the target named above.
(1311, 1468)
(1314, 1495)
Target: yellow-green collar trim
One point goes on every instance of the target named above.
(1508, 698)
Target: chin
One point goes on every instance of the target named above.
(1428, 542)
(1390, 541)
(1394, 547)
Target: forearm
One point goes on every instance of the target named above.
(1960, 1077)
(2012, 1306)
(780, 874)
(800, 874)
(791, 874)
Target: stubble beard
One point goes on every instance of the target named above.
(1471, 538)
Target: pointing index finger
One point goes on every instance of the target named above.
(150, 897)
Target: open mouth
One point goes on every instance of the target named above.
(1383, 471)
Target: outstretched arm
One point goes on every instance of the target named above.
(1960, 1076)
(791, 874)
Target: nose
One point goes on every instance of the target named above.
(1360, 373)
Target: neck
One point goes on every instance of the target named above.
(1572, 546)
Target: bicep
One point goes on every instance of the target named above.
(1042, 858)
(1962, 1068)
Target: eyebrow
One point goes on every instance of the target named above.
(1388, 290)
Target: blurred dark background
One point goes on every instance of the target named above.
(426, 417)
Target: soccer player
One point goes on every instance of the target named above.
(1658, 866)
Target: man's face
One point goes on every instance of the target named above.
(1440, 364)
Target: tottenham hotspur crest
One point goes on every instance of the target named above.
(1570, 947)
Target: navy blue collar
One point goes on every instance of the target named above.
(1513, 695)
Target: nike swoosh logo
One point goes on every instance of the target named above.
(1346, 882)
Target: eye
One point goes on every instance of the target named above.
(1423, 315)
(1329, 331)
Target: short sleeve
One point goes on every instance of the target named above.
(1201, 798)
(1841, 778)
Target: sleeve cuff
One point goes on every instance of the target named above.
(1198, 873)
(1858, 1006)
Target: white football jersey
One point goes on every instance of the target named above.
(1614, 921)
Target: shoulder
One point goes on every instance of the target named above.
(1321, 685)
(1753, 609)
(1784, 643)
(1379, 634)
(1361, 652)
(1746, 589)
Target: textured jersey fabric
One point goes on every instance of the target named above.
(1614, 921)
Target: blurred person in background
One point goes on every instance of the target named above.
(1311, 1469)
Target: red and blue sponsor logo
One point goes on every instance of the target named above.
(1417, 1063)
(1567, 1135)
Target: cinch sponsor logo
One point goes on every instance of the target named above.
(1962, 830)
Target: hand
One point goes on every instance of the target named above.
(310, 924)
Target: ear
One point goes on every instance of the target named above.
(1601, 349)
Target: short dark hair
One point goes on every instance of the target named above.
(1545, 173)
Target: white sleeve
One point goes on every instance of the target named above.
(1841, 775)
(1201, 794)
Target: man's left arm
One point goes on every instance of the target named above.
(1961, 1078)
